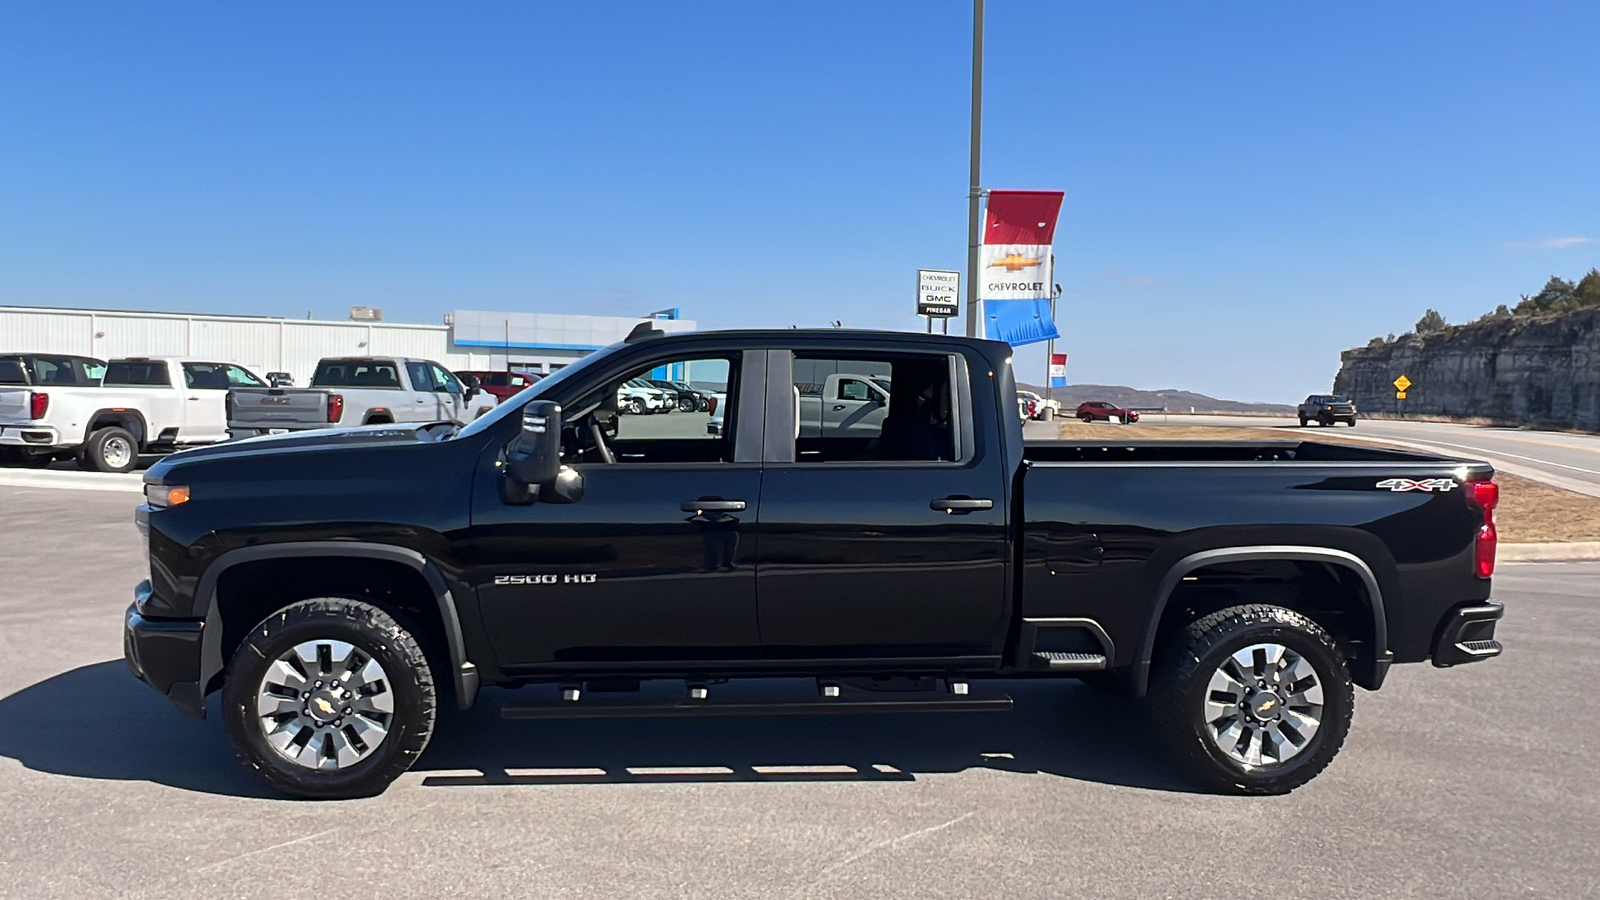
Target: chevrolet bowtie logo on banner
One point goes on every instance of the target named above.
(1016, 265)
(1016, 262)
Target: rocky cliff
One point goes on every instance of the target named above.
(1538, 370)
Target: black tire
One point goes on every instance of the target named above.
(1179, 688)
(685, 405)
(373, 632)
(1304, 421)
(1086, 418)
(112, 449)
(637, 407)
(1351, 423)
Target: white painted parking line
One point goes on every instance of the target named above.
(72, 481)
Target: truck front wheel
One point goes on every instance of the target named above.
(329, 699)
(1256, 699)
(111, 449)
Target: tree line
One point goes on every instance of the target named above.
(1556, 297)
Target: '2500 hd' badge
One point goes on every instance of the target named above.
(583, 578)
(1428, 485)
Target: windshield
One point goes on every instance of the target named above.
(513, 405)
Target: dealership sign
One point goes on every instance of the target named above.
(938, 293)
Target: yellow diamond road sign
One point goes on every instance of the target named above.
(1402, 384)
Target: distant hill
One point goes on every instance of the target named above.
(1172, 400)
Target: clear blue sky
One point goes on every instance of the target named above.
(1250, 187)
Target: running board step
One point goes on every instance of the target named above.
(1070, 662)
(800, 706)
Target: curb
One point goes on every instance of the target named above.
(1556, 552)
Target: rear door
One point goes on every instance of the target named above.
(890, 545)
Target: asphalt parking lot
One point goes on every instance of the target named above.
(1477, 781)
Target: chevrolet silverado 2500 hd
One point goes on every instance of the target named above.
(335, 586)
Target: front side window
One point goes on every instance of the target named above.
(239, 376)
(444, 381)
(847, 415)
(631, 420)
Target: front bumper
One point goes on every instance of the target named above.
(165, 654)
(1466, 635)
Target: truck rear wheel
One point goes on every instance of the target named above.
(329, 699)
(111, 449)
(1257, 699)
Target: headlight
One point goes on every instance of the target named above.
(161, 496)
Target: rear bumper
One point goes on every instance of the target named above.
(42, 436)
(165, 654)
(1466, 635)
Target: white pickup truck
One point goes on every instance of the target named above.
(142, 405)
(358, 390)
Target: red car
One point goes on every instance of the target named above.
(500, 385)
(1103, 411)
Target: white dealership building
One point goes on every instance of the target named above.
(468, 339)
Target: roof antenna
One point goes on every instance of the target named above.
(837, 323)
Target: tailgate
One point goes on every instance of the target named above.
(14, 405)
(267, 408)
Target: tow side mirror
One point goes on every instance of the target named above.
(534, 457)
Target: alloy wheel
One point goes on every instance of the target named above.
(1263, 705)
(325, 705)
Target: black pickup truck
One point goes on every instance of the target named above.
(336, 585)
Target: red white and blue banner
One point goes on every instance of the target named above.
(1058, 370)
(1016, 278)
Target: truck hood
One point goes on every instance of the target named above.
(306, 441)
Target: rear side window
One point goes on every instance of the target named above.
(356, 373)
(844, 416)
(137, 373)
(11, 371)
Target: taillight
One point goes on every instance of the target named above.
(1485, 495)
(38, 405)
(335, 407)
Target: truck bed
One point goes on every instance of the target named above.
(1137, 451)
(1105, 522)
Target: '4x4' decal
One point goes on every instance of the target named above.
(1427, 484)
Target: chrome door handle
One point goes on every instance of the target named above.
(699, 507)
(960, 504)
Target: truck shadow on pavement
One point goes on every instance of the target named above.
(98, 722)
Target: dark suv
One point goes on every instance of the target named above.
(1326, 409)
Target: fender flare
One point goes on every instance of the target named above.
(462, 671)
(142, 438)
(1372, 677)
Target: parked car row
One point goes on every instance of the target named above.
(106, 415)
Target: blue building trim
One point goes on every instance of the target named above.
(514, 345)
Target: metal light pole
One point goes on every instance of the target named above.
(975, 190)
(1050, 345)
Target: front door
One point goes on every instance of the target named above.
(891, 545)
(654, 564)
